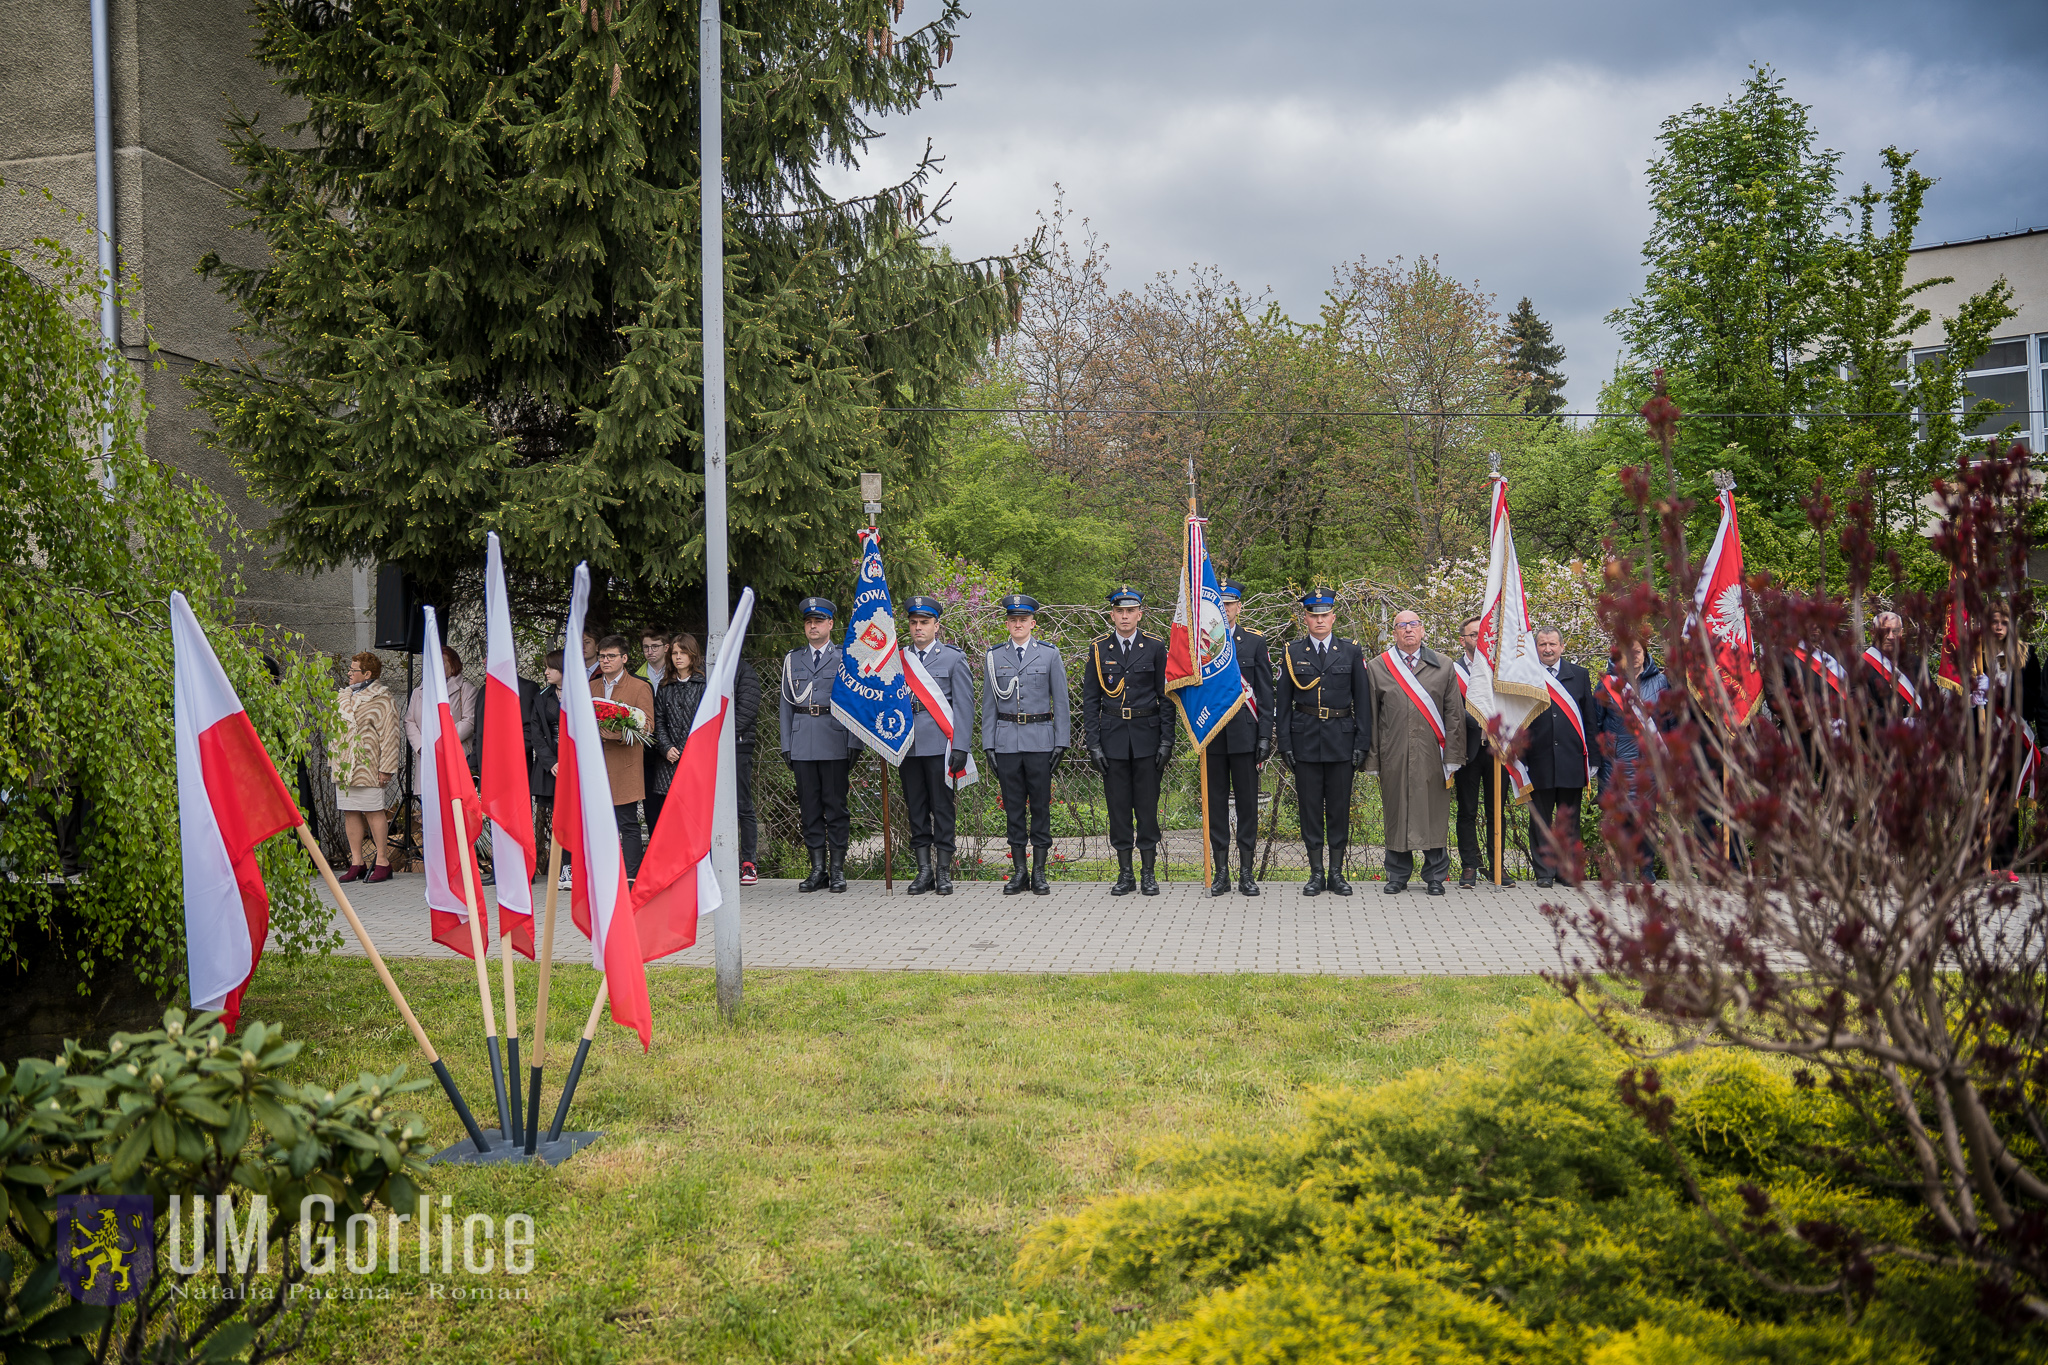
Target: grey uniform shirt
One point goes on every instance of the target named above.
(950, 669)
(1036, 684)
(807, 682)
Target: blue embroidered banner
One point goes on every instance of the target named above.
(871, 697)
(1202, 675)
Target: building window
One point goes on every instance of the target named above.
(2009, 372)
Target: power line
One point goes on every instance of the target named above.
(1390, 412)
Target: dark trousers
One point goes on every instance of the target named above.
(1323, 795)
(821, 799)
(1027, 779)
(1436, 864)
(1230, 774)
(1558, 806)
(750, 829)
(929, 802)
(1130, 788)
(630, 847)
(1474, 790)
(653, 802)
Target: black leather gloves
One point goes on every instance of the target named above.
(1358, 760)
(1100, 758)
(956, 763)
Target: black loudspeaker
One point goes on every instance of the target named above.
(400, 623)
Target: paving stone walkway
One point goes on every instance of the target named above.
(1079, 928)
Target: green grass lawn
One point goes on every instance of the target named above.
(844, 1174)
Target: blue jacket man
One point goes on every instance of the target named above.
(934, 764)
(1025, 730)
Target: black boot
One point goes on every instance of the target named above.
(1246, 884)
(942, 879)
(1125, 882)
(1338, 886)
(1147, 883)
(1314, 885)
(816, 881)
(1221, 885)
(837, 881)
(926, 879)
(1039, 886)
(1020, 875)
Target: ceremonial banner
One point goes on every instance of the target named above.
(676, 882)
(870, 696)
(230, 799)
(1508, 680)
(599, 900)
(1718, 603)
(507, 795)
(1202, 675)
(1518, 774)
(444, 777)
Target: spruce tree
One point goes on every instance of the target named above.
(1534, 354)
(480, 309)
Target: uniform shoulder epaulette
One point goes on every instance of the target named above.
(1107, 635)
(1249, 631)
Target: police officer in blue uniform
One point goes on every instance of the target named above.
(1025, 730)
(1235, 755)
(1129, 729)
(1324, 734)
(817, 747)
(932, 765)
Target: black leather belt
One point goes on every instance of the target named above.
(812, 710)
(1019, 718)
(1137, 712)
(1325, 712)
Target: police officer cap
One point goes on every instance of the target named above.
(1127, 596)
(1020, 602)
(925, 606)
(1319, 599)
(816, 606)
(1233, 591)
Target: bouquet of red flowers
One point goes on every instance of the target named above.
(616, 720)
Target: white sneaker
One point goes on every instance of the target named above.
(564, 884)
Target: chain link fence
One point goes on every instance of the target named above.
(1081, 850)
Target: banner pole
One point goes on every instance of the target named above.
(419, 1034)
(540, 1003)
(481, 956)
(1208, 868)
(1495, 831)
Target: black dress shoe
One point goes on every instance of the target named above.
(1396, 888)
(1338, 886)
(1314, 885)
(1436, 888)
(1245, 885)
(1469, 878)
(1545, 883)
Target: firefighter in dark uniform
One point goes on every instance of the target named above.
(1235, 755)
(1025, 730)
(1323, 734)
(933, 765)
(818, 749)
(1129, 731)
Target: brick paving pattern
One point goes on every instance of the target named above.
(1079, 928)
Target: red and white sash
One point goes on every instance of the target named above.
(1825, 666)
(1902, 684)
(1569, 706)
(1412, 685)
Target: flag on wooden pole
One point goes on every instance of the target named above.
(230, 799)
(1507, 678)
(1202, 675)
(444, 777)
(1720, 610)
(507, 794)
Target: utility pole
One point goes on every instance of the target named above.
(725, 820)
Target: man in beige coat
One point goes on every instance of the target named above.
(1418, 743)
(621, 758)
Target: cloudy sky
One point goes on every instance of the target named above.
(1276, 140)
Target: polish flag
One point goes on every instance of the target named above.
(1516, 686)
(1719, 607)
(599, 899)
(508, 797)
(444, 777)
(230, 799)
(676, 882)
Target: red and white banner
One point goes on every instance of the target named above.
(444, 777)
(599, 899)
(1509, 680)
(677, 882)
(1718, 604)
(1900, 683)
(230, 799)
(1518, 771)
(932, 698)
(507, 792)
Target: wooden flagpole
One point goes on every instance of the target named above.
(1497, 851)
(483, 973)
(419, 1034)
(540, 1003)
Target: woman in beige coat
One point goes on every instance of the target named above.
(372, 743)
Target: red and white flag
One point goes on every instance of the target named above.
(599, 899)
(1718, 603)
(1508, 678)
(230, 799)
(676, 882)
(507, 793)
(444, 777)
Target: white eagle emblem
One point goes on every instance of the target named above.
(1726, 617)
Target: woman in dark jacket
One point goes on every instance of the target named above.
(675, 711)
(543, 731)
(1613, 741)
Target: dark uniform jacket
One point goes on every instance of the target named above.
(1555, 758)
(1318, 708)
(1124, 711)
(1243, 733)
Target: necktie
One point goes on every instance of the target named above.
(1411, 661)
(817, 657)
(1020, 654)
